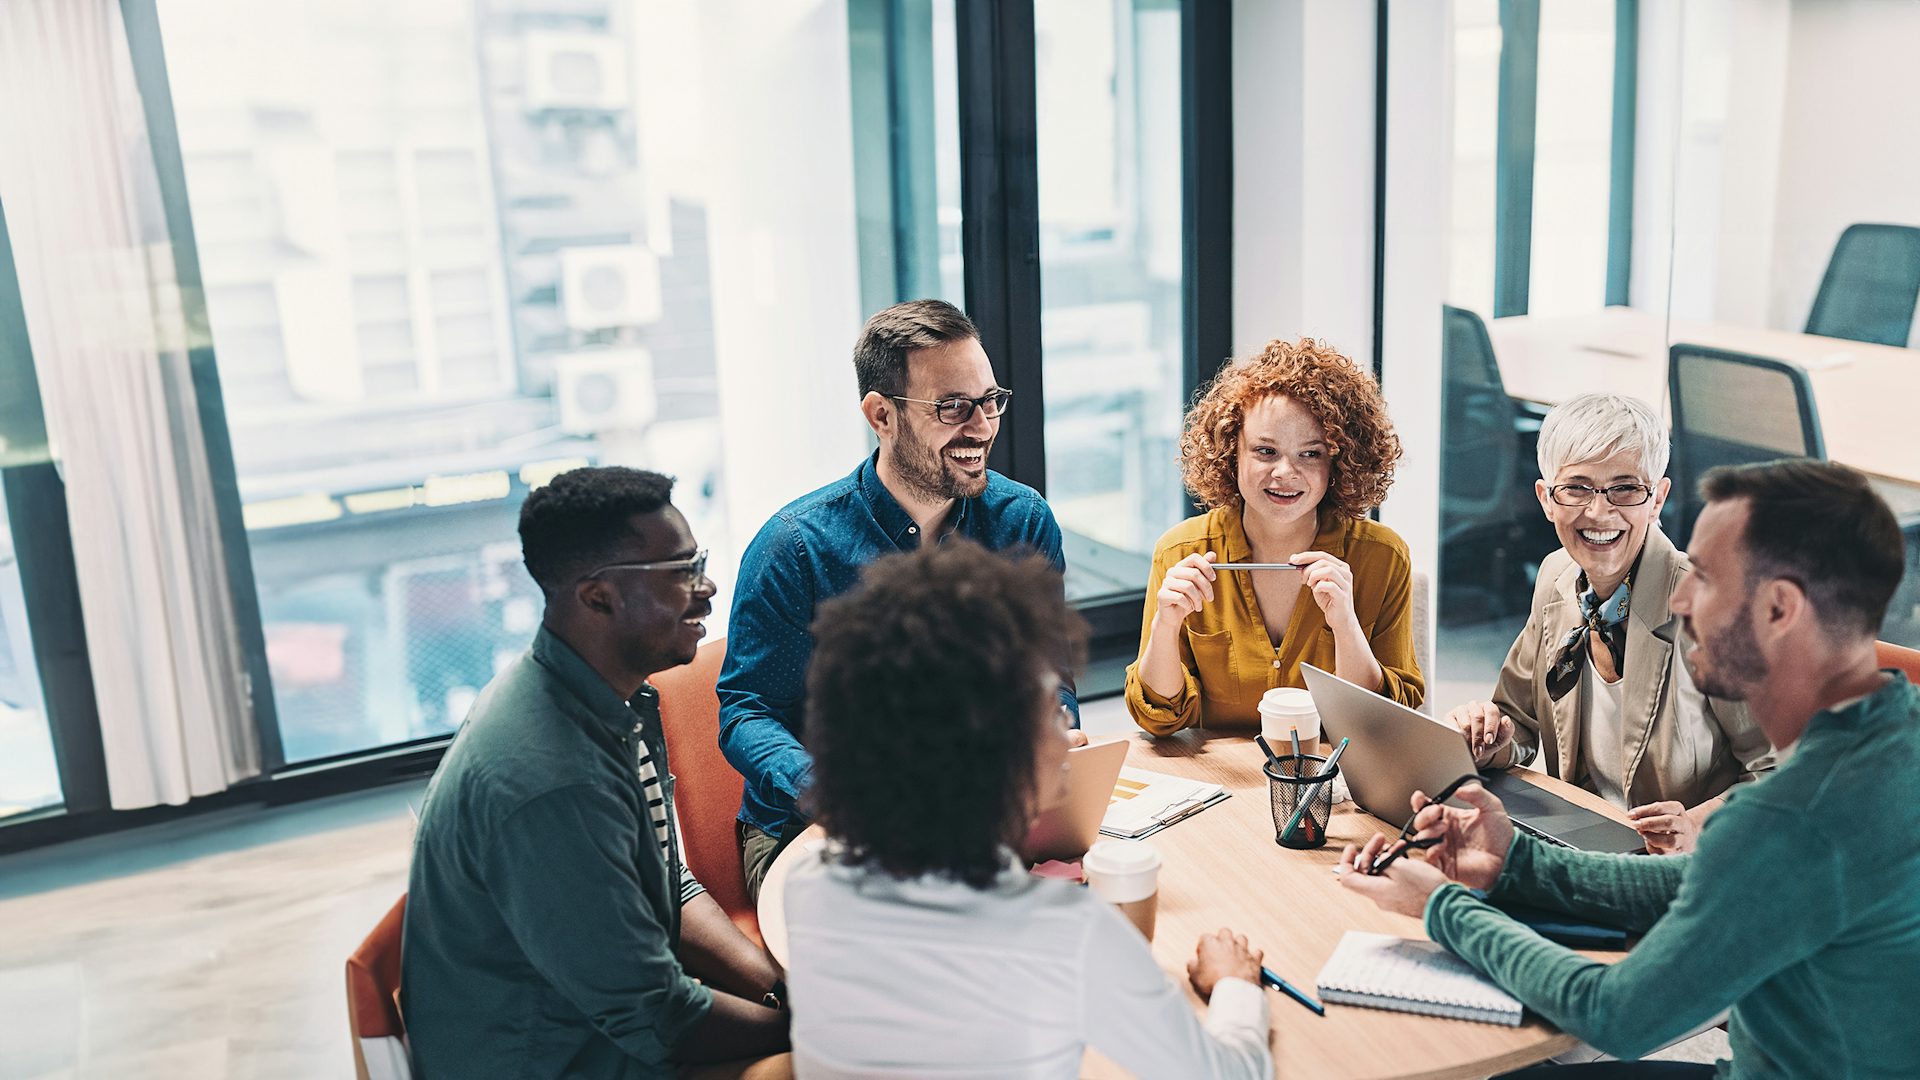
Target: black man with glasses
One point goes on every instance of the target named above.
(552, 928)
(1594, 690)
(927, 391)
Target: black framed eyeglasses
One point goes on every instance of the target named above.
(694, 567)
(1402, 843)
(1617, 494)
(959, 410)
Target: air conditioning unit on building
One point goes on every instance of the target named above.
(608, 286)
(604, 390)
(576, 71)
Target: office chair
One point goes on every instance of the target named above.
(1486, 466)
(1731, 408)
(1899, 657)
(1870, 287)
(1422, 614)
(373, 1002)
(706, 793)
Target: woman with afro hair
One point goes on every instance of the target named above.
(1289, 450)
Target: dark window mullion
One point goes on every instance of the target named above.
(1206, 192)
(42, 542)
(1206, 187)
(1000, 217)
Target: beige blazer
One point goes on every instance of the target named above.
(1677, 742)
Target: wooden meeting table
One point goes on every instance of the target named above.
(1221, 867)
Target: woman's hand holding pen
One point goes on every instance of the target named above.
(1184, 588)
(1330, 580)
(1187, 585)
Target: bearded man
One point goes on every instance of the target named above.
(928, 392)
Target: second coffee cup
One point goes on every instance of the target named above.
(1126, 874)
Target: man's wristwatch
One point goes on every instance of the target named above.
(776, 995)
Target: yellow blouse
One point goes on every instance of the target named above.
(1225, 654)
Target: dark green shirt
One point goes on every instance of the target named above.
(542, 916)
(1799, 909)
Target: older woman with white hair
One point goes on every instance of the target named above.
(1594, 690)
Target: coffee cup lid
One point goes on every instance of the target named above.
(1121, 857)
(1287, 701)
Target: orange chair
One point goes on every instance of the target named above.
(707, 790)
(1899, 656)
(373, 1002)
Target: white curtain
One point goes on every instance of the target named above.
(110, 346)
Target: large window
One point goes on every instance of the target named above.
(453, 248)
(1108, 99)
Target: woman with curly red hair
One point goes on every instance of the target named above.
(1289, 449)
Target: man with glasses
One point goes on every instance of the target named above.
(551, 928)
(928, 392)
(1594, 690)
(1797, 909)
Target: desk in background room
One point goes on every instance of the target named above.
(1222, 868)
(1867, 395)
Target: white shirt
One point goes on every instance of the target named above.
(930, 978)
(1601, 738)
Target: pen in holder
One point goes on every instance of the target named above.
(1290, 781)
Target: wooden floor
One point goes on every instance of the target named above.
(212, 948)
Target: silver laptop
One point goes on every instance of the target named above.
(1067, 828)
(1397, 751)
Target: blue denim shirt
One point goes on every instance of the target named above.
(812, 551)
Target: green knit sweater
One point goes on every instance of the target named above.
(1799, 910)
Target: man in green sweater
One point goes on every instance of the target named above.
(1800, 908)
(552, 929)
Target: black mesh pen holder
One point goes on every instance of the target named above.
(1293, 781)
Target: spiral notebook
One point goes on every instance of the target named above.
(1381, 971)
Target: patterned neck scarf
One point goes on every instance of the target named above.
(1608, 618)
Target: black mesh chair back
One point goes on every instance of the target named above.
(1480, 445)
(1871, 284)
(1732, 408)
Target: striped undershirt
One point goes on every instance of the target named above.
(650, 790)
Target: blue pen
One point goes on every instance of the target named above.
(1268, 978)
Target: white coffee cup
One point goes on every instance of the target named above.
(1284, 708)
(1126, 874)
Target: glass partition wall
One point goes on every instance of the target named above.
(1633, 184)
